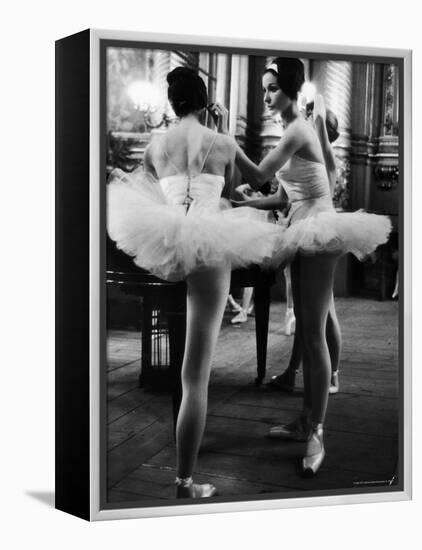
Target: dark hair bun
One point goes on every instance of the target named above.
(180, 73)
(186, 92)
(290, 75)
(331, 123)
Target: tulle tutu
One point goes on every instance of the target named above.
(314, 226)
(170, 243)
(336, 232)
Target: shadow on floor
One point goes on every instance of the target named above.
(45, 497)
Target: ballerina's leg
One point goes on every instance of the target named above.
(289, 293)
(247, 298)
(286, 380)
(297, 353)
(316, 288)
(206, 299)
(289, 321)
(299, 429)
(316, 281)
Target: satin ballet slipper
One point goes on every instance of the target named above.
(241, 317)
(186, 488)
(298, 430)
(315, 452)
(289, 322)
(334, 384)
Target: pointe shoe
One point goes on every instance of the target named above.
(241, 317)
(315, 452)
(289, 322)
(186, 488)
(334, 384)
(285, 381)
(298, 430)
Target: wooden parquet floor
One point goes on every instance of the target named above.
(361, 434)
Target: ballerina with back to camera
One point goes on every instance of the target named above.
(169, 218)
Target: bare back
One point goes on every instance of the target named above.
(191, 149)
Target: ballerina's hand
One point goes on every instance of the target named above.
(243, 192)
(117, 174)
(220, 116)
(319, 107)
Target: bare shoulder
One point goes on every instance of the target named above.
(226, 143)
(149, 150)
(299, 132)
(155, 147)
(299, 127)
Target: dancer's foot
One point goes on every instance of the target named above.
(233, 306)
(289, 322)
(285, 381)
(251, 310)
(241, 317)
(315, 452)
(298, 430)
(334, 383)
(186, 488)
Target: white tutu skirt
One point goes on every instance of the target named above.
(170, 243)
(320, 229)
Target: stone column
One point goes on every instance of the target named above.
(239, 97)
(365, 125)
(237, 103)
(222, 85)
(387, 157)
(375, 137)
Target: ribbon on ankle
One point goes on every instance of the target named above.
(183, 481)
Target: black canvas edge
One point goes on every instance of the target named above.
(72, 374)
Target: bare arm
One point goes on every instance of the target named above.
(327, 152)
(291, 142)
(273, 202)
(257, 175)
(229, 171)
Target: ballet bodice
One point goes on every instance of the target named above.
(307, 187)
(304, 179)
(200, 190)
(205, 189)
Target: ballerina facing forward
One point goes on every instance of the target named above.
(327, 134)
(316, 236)
(169, 217)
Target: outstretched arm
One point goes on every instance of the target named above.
(257, 175)
(229, 171)
(291, 142)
